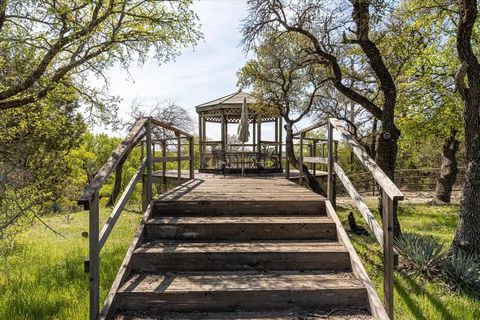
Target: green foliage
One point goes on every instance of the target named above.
(59, 45)
(462, 272)
(423, 255)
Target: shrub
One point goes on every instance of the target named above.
(423, 255)
(462, 272)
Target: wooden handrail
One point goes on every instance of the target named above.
(380, 177)
(111, 164)
(90, 196)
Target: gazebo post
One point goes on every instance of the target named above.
(276, 135)
(223, 131)
(200, 141)
(254, 133)
(280, 134)
(259, 135)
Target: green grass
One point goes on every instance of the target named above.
(416, 298)
(44, 278)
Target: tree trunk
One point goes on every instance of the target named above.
(467, 236)
(448, 169)
(311, 181)
(386, 156)
(117, 185)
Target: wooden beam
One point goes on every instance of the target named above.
(388, 258)
(300, 158)
(116, 157)
(149, 162)
(382, 179)
(94, 255)
(280, 135)
(192, 158)
(179, 159)
(200, 142)
(164, 163)
(330, 169)
(170, 159)
(119, 206)
(170, 127)
(374, 303)
(310, 128)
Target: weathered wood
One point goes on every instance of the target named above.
(385, 183)
(178, 256)
(148, 162)
(362, 207)
(94, 255)
(169, 159)
(300, 159)
(119, 206)
(192, 159)
(109, 306)
(248, 291)
(179, 159)
(164, 164)
(238, 228)
(388, 259)
(167, 126)
(117, 156)
(310, 128)
(374, 303)
(315, 160)
(330, 169)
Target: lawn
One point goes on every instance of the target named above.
(416, 298)
(44, 278)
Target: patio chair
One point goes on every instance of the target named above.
(222, 162)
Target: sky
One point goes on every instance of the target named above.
(199, 74)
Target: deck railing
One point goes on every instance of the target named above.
(142, 132)
(390, 193)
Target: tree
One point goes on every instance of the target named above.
(329, 31)
(46, 45)
(35, 170)
(467, 236)
(287, 84)
(428, 108)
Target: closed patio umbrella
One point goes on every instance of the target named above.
(243, 132)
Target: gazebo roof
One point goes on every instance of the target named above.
(230, 106)
(232, 100)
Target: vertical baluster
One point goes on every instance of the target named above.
(388, 261)
(330, 182)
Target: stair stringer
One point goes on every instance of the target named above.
(108, 309)
(375, 304)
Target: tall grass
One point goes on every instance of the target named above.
(43, 277)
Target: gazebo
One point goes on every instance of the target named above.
(227, 110)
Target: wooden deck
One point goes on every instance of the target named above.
(229, 245)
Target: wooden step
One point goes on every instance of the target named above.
(241, 228)
(229, 256)
(290, 314)
(291, 205)
(241, 291)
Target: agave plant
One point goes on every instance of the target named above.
(422, 255)
(462, 272)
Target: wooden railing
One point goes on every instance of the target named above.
(390, 194)
(142, 132)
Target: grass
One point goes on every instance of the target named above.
(44, 278)
(415, 297)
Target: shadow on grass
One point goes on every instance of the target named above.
(412, 305)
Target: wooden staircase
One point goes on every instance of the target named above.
(244, 257)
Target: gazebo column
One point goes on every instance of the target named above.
(223, 131)
(200, 141)
(280, 139)
(276, 135)
(259, 135)
(254, 130)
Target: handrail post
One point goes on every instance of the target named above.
(300, 167)
(179, 160)
(148, 136)
(192, 158)
(94, 256)
(330, 182)
(388, 259)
